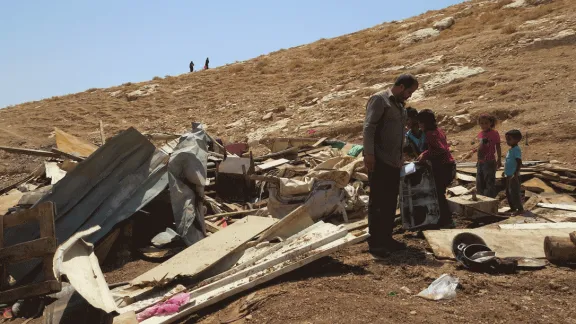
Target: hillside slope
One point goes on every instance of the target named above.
(519, 63)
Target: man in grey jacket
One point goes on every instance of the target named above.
(384, 134)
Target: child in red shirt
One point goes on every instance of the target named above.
(443, 165)
(489, 156)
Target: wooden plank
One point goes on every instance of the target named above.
(242, 212)
(35, 289)
(9, 200)
(563, 186)
(532, 226)
(558, 206)
(27, 215)
(458, 190)
(227, 287)
(271, 164)
(28, 250)
(538, 186)
(506, 243)
(356, 225)
(312, 151)
(208, 251)
(211, 227)
(291, 224)
(465, 177)
(23, 151)
(68, 155)
(320, 141)
(73, 145)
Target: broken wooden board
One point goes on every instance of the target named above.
(201, 255)
(23, 151)
(538, 186)
(251, 277)
(563, 186)
(458, 190)
(557, 199)
(280, 144)
(534, 226)
(558, 206)
(465, 177)
(9, 200)
(73, 145)
(506, 243)
(271, 164)
(296, 221)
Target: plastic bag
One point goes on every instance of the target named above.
(442, 288)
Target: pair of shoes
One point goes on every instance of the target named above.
(393, 245)
(379, 253)
(388, 247)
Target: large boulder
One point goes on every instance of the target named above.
(462, 120)
(444, 23)
(142, 92)
(419, 35)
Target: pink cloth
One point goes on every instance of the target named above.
(438, 149)
(171, 306)
(487, 149)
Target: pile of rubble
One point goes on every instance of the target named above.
(221, 220)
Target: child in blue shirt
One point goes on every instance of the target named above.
(512, 171)
(415, 137)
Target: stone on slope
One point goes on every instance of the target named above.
(142, 92)
(419, 35)
(444, 23)
(462, 120)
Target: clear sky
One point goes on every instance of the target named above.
(50, 48)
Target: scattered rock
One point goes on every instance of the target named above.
(336, 95)
(413, 313)
(462, 111)
(268, 116)
(406, 290)
(142, 92)
(453, 73)
(462, 120)
(564, 37)
(516, 4)
(392, 68)
(115, 94)
(444, 23)
(433, 60)
(239, 123)
(419, 35)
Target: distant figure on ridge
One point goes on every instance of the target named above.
(191, 66)
(206, 64)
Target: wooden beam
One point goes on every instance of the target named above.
(23, 151)
(558, 206)
(242, 212)
(559, 249)
(28, 250)
(293, 151)
(35, 289)
(68, 155)
(27, 215)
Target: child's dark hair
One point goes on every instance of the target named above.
(427, 118)
(412, 113)
(515, 134)
(489, 118)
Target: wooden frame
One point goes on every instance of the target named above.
(44, 248)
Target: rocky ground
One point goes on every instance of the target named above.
(513, 59)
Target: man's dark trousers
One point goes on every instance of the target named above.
(384, 187)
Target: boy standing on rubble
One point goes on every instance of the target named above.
(512, 171)
(384, 133)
